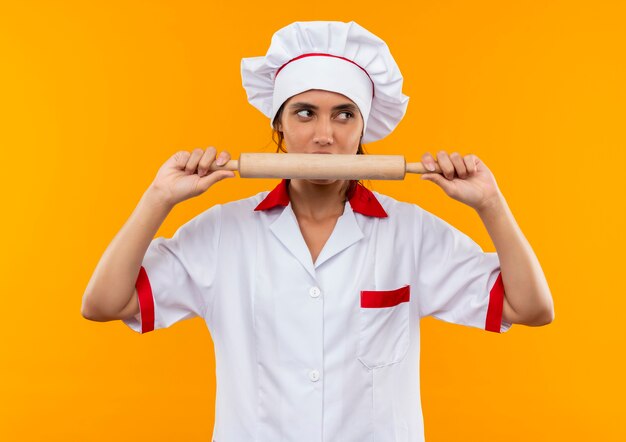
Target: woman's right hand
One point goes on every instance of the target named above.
(186, 175)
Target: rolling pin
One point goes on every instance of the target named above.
(322, 166)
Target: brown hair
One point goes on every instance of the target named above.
(279, 139)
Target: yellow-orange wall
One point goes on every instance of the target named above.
(95, 96)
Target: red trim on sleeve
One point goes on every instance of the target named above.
(496, 301)
(146, 301)
(384, 298)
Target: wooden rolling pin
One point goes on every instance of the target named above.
(322, 166)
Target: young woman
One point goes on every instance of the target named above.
(313, 292)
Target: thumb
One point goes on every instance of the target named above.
(438, 179)
(212, 178)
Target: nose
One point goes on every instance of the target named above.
(323, 132)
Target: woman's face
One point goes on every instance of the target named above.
(319, 121)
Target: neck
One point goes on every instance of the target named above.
(317, 201)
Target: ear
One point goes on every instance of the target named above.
(276, 124)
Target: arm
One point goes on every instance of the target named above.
(112, 285)
(110, 293)
(527, 298)
(468, 180)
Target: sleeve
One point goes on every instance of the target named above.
(457, 281)
(176, 278)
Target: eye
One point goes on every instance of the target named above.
(345, 115)
(304, 113)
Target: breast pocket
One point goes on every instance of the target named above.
(383, 326)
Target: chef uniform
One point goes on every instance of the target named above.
(326, 350)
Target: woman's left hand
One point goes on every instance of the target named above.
(464, 178)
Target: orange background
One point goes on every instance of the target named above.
(97, 95)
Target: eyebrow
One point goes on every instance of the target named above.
(345, 106)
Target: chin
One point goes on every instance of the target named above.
(322, 182)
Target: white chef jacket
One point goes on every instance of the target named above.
(325, 351)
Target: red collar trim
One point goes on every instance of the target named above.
(277, 197)
(363, 201)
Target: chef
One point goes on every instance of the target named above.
(313, 292)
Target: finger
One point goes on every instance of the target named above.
(180, 158)
(459, 165)
(470, 163)
(222, 158)
(446, 165)
(205, 162)
(193, 161)
(428, 161)
(214, 177)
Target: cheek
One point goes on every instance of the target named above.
(351, 136)
(353, 131)
(298, 130)
(296, 136)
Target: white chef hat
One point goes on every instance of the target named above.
(334, 56)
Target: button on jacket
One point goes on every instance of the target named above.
(325, 351)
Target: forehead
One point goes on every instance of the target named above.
(321, 97)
